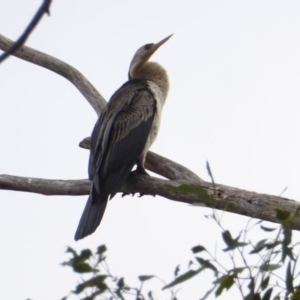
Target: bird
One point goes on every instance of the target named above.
(123, 134)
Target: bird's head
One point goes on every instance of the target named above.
(143, 54)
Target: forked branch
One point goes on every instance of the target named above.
(242, 202)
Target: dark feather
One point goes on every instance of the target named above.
(91, 216)
(118, 139)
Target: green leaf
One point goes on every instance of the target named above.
(265, 283)
(79, 268)
(97, 281)
(282, 215)
(101, 249)
(229, 207)
(268, 229)
(267, 294)
(83, 268)
(206, 264)
(264, 244)
(91, 297)
(145, 277)
(287, 238)
(272, 245)
(85, 254)
(259, 246)
(269, 267)
(193, 189)
(78, 261)
(289, 279)
(71, 250)
(227, 238)
(184, 277)
(230, 242)
(240, 244)
(236, 271)
(198, 249)
(287, 232)
(225, 282)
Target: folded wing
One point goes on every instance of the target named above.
(118, 139)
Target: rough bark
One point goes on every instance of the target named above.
(241, 202)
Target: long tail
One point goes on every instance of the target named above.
(92, 215)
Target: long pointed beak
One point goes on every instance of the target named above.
(154, 47)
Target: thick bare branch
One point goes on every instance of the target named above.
(242, 202)
(61, 68)
(245, 203)
(44, 8)
(45, 186)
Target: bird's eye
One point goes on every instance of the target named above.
(148, 46)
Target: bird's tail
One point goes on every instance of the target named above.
(92, 215)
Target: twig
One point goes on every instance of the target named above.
(44, 8)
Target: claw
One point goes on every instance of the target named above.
(127, 194)
(142, 194)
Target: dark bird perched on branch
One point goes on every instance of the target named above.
(123, 134)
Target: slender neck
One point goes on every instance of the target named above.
(154, 72)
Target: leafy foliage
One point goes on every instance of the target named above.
(256, 280)
(273, 253)
(96, 281)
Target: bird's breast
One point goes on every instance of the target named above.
(159, 102)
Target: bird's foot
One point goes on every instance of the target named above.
(127, 194)
(140, 171)
(150, 194)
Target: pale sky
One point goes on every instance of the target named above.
(234, 100)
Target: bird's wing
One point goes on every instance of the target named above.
(119, 137)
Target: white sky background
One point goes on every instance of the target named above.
(234, 100)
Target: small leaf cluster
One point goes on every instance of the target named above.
(258, 280)
(97, 282)
(260, 270)
(86, 262)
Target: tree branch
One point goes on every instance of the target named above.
(53, 64)
(44, 8)
(244, 202)
(46, 187)
(161, 166)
